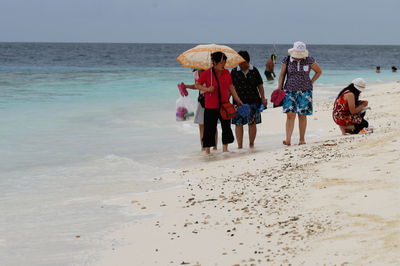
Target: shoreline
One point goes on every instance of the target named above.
(278, 206)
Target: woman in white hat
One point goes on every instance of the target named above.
(298, 87)
(348, 110)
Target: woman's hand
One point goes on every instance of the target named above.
(211, 89)
(318, 72)
(234, 95)
(264, 102)
(364, 103)
(349, 97)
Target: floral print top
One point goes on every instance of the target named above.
(298, 74)
(341, 113)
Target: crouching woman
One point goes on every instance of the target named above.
(348, 110)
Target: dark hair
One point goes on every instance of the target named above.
(273, 56)
(245, 55)
(352, 89)
(217, 57)
(378, 67)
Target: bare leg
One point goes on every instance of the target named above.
(216, 140)
(201, 131)
(302, 128)
(207, 150)
(346, 129)
(343, 130)
(290, 118)
(252, 134)
(225, 148)
(239, 136)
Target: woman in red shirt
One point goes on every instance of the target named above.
(213, 97)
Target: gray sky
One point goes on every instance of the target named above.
(205, 21)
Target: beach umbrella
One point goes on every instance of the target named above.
(200, 56)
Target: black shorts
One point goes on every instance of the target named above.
(268, 75)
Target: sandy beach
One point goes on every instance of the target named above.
(334, 201)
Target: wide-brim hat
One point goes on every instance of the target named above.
(299, 50)
(360, 84)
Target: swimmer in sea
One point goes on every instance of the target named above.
(269, 68)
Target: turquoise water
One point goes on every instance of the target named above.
(84, 124)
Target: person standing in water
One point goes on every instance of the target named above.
(249, 86)
(217, 83)
(199, 117)
(269, 68)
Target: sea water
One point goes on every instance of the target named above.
(84, 124)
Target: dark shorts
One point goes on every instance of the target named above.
(255, 117)
(268, 75)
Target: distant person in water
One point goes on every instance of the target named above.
(269, 67)
(349, 111)
(378, 69)
(394, 69)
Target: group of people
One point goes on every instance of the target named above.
(245, 84)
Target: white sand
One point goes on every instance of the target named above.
(334, 201)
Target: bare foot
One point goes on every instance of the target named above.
(302, 142)
(287, 143)
(215, 148)
(251, 146)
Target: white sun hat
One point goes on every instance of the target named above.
(299, 50)
(360, 84)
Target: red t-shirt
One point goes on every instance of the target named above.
(212, 98)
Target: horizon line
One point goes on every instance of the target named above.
(229, 43)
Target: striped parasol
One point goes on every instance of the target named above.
(200, 56)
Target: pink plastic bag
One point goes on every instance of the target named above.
(184, 108)
(182, 90)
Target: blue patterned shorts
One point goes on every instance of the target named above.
(299, 102)
(255, 115)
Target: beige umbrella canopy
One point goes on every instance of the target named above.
(200, 56)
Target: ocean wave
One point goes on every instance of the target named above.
(98, 171)
(188, 127)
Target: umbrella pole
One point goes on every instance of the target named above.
(211, 73)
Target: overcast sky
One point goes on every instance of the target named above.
(205, 21)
